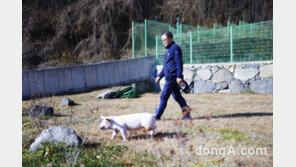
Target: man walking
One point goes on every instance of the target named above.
(172, 71)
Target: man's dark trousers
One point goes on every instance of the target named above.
(170, 87)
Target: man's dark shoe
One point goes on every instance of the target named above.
(186, 113)
(187, 118)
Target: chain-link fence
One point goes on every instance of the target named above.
(138, 39)
(234, 43)
(143, 35)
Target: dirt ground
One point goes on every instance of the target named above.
(225, 122)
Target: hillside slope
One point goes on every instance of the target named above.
(69, 32)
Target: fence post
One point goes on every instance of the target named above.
(251, 30)
(239, 29)
(177, 27)
(145, 37)
(214, 32)
(181, 33)
(170, 28)
(156, 51)
(198, 34)
(191, 49)
(133, 38)
(231, 45)
(181, 26)
(261, 30)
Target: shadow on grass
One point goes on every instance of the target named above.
(60, 115)
(157, 136)
(75, 104)
(258, 114)
(41, 116)
(92, 145)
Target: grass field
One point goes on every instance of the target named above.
(225, 124)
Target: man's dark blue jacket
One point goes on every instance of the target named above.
(173, 63)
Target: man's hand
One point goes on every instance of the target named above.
(157, 80)
(179, 81)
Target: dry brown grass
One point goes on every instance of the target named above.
(250, 126)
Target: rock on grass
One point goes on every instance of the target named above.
(41, 110)
(57, 134)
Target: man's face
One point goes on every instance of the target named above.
(165, 40)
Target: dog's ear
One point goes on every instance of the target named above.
(108, 119)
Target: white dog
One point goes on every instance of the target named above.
(129, 122)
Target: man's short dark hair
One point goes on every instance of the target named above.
(168, 34)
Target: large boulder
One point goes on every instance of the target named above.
(223, 75)
(256, 66)
(145, 86)
(221, 85)
(204, 74)
(41, 110)
(214, 69)
(224, 91)
(245, 74)
(262, 86)
(236, 87)
(57, 134)
(107, 94)
(231, 68)
(188, 76)
(266, 71)
(67, 102)
(203, 87)
(190, 67)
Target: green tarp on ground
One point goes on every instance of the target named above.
(128, 92)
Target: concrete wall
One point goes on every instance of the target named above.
(86, 77)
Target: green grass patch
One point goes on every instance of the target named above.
(228, 134)
(61, 155)
(48, 154)
(26, 123)
(29, 125)
(64, 108)
(105, 155)
(250, 92)
(47, 117)
(144, 158)
(57, 109)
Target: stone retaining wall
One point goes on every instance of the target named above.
(228, 77)
(202, 78)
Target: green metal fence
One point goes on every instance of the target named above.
(234, 43)
(138, 39)
(143, 36)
